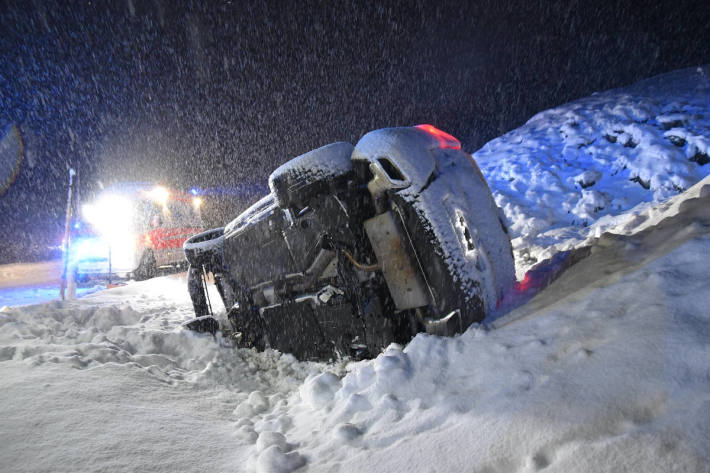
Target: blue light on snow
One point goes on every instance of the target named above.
(88, 249)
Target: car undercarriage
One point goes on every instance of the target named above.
(357, 247)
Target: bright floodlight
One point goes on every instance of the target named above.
(196, 202)
(111, 215)
(90, 212)
(160, 194)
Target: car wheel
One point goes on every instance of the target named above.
(310, 174)
(204, 249)
(147, 268)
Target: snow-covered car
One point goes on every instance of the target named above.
(133, 230)
(356, 248)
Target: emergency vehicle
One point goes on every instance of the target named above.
(133, 230)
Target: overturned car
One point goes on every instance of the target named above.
(356, 248)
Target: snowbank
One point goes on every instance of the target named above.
(110, 382)
(601, 156)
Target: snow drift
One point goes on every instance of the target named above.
(582, 163)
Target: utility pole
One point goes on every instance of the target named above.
(67, 235)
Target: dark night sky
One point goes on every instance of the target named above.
(217, 93)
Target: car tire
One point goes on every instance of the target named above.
(310, 174)
(204, 249)
(147, 268)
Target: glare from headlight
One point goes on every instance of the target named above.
(160, 195)
(111, 216)
(114, 238)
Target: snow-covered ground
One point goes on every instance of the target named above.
(31, 283)
(606, 368)
(576, 170)
(27, 274)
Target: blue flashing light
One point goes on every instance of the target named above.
(88, 249)
(194, 191)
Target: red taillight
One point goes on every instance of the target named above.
(525, 284)
(445, 140)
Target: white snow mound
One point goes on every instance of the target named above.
(603, 155)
